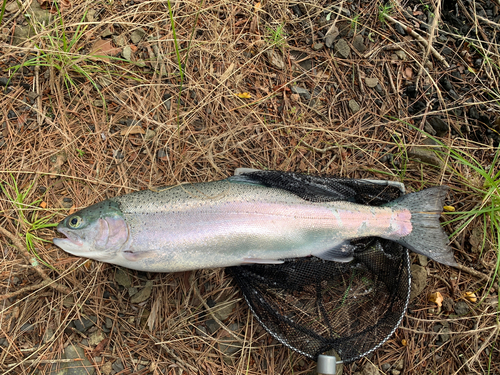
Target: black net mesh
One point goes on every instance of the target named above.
(314, 306)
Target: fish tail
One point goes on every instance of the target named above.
(426, 237)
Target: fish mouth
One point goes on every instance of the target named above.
(70, 239)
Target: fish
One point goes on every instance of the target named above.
(253, 217)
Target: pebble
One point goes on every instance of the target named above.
(119, 40)
(371, 82)
(106, 32)
(358, 43)
(96, 337)
(80, 367)
(109, 323)
(400, 29)
(318, 46)
(422, 260)
(122, 278)
(118, 365)
(418, 280)
(461, 308)
(137, 35)
(222, 311)
(401, 55)
(84, 324)
(161, 153)
(370, 369)
(107, 368)
(343, 48)
(127, 53)
(440, 127)
(425, 155)
(304, 93)
(212, 326)
(143, 294)
(353, 104)
(67, 202)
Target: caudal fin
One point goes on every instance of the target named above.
(427, 237)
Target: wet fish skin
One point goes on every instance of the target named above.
(232, 222)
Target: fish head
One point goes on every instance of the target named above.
(97, 232)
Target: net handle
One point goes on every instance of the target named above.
(327, 364)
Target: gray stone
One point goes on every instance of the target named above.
(119, 40)
(109, 323)
(12, 7)
(212, 326)
(118, 365)
(358, 43)
(21, 33)
(343, 48)
(127, 53)
(80, 367)
(440, 127)
(122, 278)
(223, 310)
(99, 103)
(229, 347)
(137, 35)
(149, 134)
(461, 308)
(425, 155)
(318, 46)
(353, 104)
(84, 324)
(107, 368)
(429, 129)
(370, 369)
(96, 337)
(422, 260)
(371, 82)
(48, 335)
(106, 32)
(143, 294)
(418, 280)
(275, 59)
(304, 93)
(132, 291)
(401, 55)
(67, 202)
(90, 16)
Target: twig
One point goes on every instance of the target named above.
(47, 281)
(410, 31)
(472, 271)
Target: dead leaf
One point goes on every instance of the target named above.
(257, 6)
(57, 161)
(43, 204)
(21, 120)
(244, 95)
(418, 13)
(104, 47)
(470, 296)
(72, 210)
(409, 72)
(136, 129)
(436, 298)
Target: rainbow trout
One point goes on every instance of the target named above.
(256, 217)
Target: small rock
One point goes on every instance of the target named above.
(422, 260)
(229, 347)
(275, 59)
(107, 32)
(90, 16)
(67, 203)
(117, 154)
(461, 308)
(418, 280)
(99, 103)
(331, 35)
(84, 324)
(358, 43)
(401, 55)
(399, 364)
(21, 33)
(370, 369)
(12, 7)
(120, 40)
(353, 104)
(343, 48)
(149, 134)
(400, 29)
(386, 366)
(161, 153)
(137, 35)
(212, 326)
(123, 278)
(109, 323)
(222, 311)
(118, 365)
(96, 337)
(318, 46)
(304, 93)
(447, 304)
(440, 127)
(143, 294)
(132, 291)
(81, 365)
(27, 327)
(425, 155)
(395, 372)
(32, 95)
(127, 53)
(429, 129)
(107, 368)
(371, 82)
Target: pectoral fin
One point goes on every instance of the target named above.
(340, 253)
(134, 257)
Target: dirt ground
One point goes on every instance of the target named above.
(101, 99)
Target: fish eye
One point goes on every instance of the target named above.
(75, 222)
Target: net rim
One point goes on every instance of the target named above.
(345, 360)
